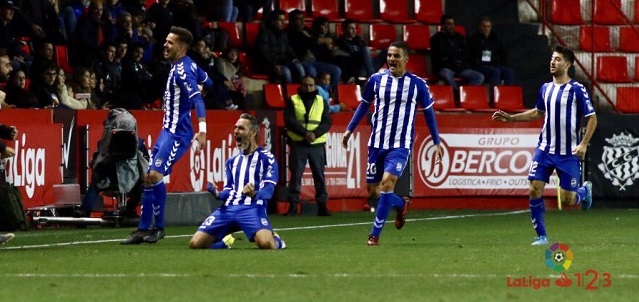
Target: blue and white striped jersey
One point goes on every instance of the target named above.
(180, 95)
(564, 106)
(258, 168)
(396, 101)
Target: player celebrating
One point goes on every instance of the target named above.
(562, 102)
(396, 94)
(251, 176)
(181, 94)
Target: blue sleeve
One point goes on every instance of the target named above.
(203, 78)
(583, 100)
(269, 180)
(541, 106)
(228, 185)
(360, 112)
(429, 114)
(367, 98)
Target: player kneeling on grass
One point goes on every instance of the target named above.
(251, 176)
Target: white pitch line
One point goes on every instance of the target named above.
(277, 229)
(292, 276)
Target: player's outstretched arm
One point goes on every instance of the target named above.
(529, 115)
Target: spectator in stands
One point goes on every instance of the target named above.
(488, 55)
(159, 19)
(121, 50)
(248, 8)
(82, 84)
(275, 56)
(304, 43)
(12, 25)
(229, 67)
(449, 55)
(326, 51)
(112, 9)
(185, 15)
(124, 29)
(43, 20)
(307, 121)
(360, 56)
(323, 83)
(91, 31)
(204, 57)
(5, 69)
(68, 99)
(17, 94)
(159, 68)
(42, 57)
(45, 88)
(135, 79)
(110, 71)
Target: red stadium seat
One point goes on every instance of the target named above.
(394, 11)
(273, 96)
(509, 98)
(291, 89)
(234, 31)
(417, 36)
(360, 10)
(250, 34)
(381, 35)
(148, 3)
(628, 99)
(289, 5)
(474, 98)
(595, 38)
(428, 11)
(566, 12)
(246, 67)
(62, 58)
(326, 8)
(612, 69)
(444, 98)
(418, 66)
(349, 95)
(608, 12)
(628, 37)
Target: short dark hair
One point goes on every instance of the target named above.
(183, 34)
(566, 52)
(254, 125)
(346, 23)
(292, 14)
(400, 44)
(445, 17)
(275, 13)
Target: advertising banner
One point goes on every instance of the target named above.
(476, 161)
(37, 164)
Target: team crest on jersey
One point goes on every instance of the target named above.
(264, 221)
(620, 160)
(573, 183)
(398, 167)
(158, 162)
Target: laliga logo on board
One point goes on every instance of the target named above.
(620, 161)
(197, 162)
(32, 166)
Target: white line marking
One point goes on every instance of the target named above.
(293, 276)
(277, 229)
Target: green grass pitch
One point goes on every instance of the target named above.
(438, 256)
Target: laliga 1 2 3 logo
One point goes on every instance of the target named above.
(559, 257)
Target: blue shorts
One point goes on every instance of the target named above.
(394, 162)
(567, 166)
(226, 220)
(166, 151)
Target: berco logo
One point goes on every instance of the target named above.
(620, 163)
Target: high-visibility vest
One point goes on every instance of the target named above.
(314, 117)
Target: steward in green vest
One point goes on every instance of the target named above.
(307, 119)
